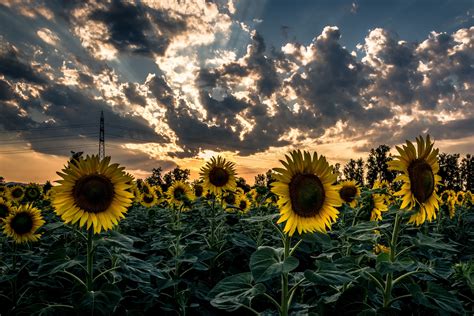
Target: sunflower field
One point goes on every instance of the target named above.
(100, 242)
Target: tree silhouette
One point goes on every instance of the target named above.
(354, 170)
(177, 174)
(259, 180)
(467, 173)
(449, 171)
(377, 167)
(241, 183)
(155, 178)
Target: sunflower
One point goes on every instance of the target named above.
(460, 198)
(198, 190)
(148, 200)
(229, 198)
(218, 175)
(307, 196)
(145, 188)
(349, 192)
(445, 196)
(32, 192)
(179, 192)
(468, 198)
(377, 206)
(5, 208)
(419, 168)
(16, 193)
(158, 192)
(3, 190)
(22, 224)
(379, 248)
(92, 193)
(243, 203)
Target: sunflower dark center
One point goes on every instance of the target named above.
(307, 194)
(243, 204)
(178, 193)
(218, 176)
(22, 223)
(198, 190)
(17, 193)
(3, 210)
(148, 198)
(32, 193)
(94, 193)
(459, 198)
(348, 193)
(230, 198)
(421, 180)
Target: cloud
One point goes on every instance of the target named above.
(14, 66)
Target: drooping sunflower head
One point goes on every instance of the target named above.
(218, 175)
(5, 208)
(33, 192)
(377, 205)
(418, 168)
(16, 193)
(349, 192)
(22, 223)
(179, 192)
(92, 192)
(307, 196)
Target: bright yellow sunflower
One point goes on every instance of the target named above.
(93, 193)
(419, 168)
(22, 224)
(158, 192)
(243, 203)
(229, 199)
(218, 175)
(16, 193)
(307, 196)
(179, 192)
(460, 198)
(377, 206)
(148, 200)
(379, 248)
(349, 192)
(5, 208)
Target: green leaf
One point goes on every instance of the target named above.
(266, 263)
(443, 298)
(425, 241)
(102, 302)
(234, 291)
(328, 273)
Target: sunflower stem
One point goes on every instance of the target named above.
(90, 258)
(387, 297)
(284, 306)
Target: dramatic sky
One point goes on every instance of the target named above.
(179, 81)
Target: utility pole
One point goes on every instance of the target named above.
(101, 137)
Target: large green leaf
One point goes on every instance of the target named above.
(267, 263)
(234, 291)
(328, 273)
(102, 302)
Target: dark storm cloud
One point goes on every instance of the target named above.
(6, 91)
(130, 27)
(13, 66)
(133, 96)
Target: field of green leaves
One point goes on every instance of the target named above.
(190, 251)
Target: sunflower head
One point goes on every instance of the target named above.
(16, 193)
(22, 223)
(179, 193)
(377, 205)
(148, 200)
(307, 196)
(33, 192)
(5, 208)
(218, 175)
(460, 198)
(379, 248)
(418, 168)
(3, 190)
(92, 192)
(243, 203)
(198, 190)
(349, 192)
